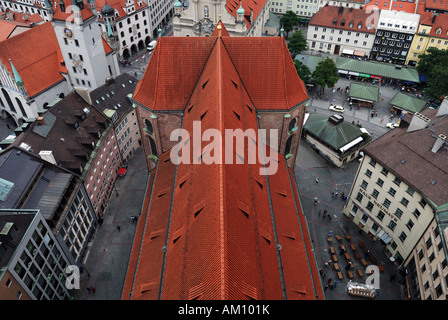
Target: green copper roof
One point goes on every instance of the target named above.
(407, 102)
(16, 75)
(331, 134)
(109, 28)
(364, 92)
(378, 69)
(240, 10)
(177, 4)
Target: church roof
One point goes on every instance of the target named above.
(218, 219)
(264, 65)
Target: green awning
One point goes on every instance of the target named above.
(364, 92)
(407, 102)
(390, 71)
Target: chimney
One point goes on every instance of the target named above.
(443, 109)
(439, 143)
(41, 120)
(47, 155)
(418, 122)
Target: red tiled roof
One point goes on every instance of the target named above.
(118, 5)
(8, 27)
(437, 23)
(441, 5)
(19, 17)
(221, 242)
(408, 7)
(220, 30)
(248, 5)
(342, 17)
(107, 48)
(86, 13)
(264, 65)
(36, 56)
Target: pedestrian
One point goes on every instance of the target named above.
(93, 290)
(321, 272)
(316, 201)
(320, 211)
(118, 227)
(88, 290)
(336, 283)
(7, 125)
(342, 195)
(332, 194)
(329, 217)
(325, 288)
(317, 180)
(335, 194)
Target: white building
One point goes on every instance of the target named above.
(240, 18)
(305, 9)
(340, 30)
(46, 62)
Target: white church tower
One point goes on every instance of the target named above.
(89, 60)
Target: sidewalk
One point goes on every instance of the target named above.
(107, 260)
(310, 166)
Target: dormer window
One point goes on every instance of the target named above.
(343, 22)
(360, 25)
(335, 21)
(351, 24)
(439, 31)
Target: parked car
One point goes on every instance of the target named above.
(336, 108)
(392, 125)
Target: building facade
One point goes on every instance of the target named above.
(199, 18)
(394, 35)
(114, 100)
(305, 9)
(341, 30)
(33, 263)
(432, 33)
(399, 198)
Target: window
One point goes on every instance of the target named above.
(380, 182)
(372, 162)
(422, 203)
(428, 243)
(380, 215)
(392, 225)
(410, 224)
(386, 203)
(364, 184)
(404, 202)
(375, 193)
(399, 212)
(76, 43)
(359, 197)
(369, 206)
(402, 236)
(385, 171)
(368, 173)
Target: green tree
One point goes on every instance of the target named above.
(289, 20)
(297, 43)
(303, 71)
(434, 64)
(326, 74)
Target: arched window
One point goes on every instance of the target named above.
(8, 99)
(19, 103)
(292, 123)
(149, 127)
(288, 145)
(206, 14)
(152, 143)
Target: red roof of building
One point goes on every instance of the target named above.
(67, 15)
(439, 5)
(220, 30)
(36, 56)
(264, 65)
(438, 23)
(7, 28)
(218, 219)
(119, 5)
(408, 7)
(254, 6)
(22, 17)
(351, 19)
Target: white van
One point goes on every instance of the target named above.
(151, 45)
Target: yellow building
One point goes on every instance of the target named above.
(432, 32)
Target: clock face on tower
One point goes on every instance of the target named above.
(185, 4)
(68, 33)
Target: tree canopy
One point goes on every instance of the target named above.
(289, 20)
(326, 73)
(297, 42)
(434, 64)
(303, 71)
